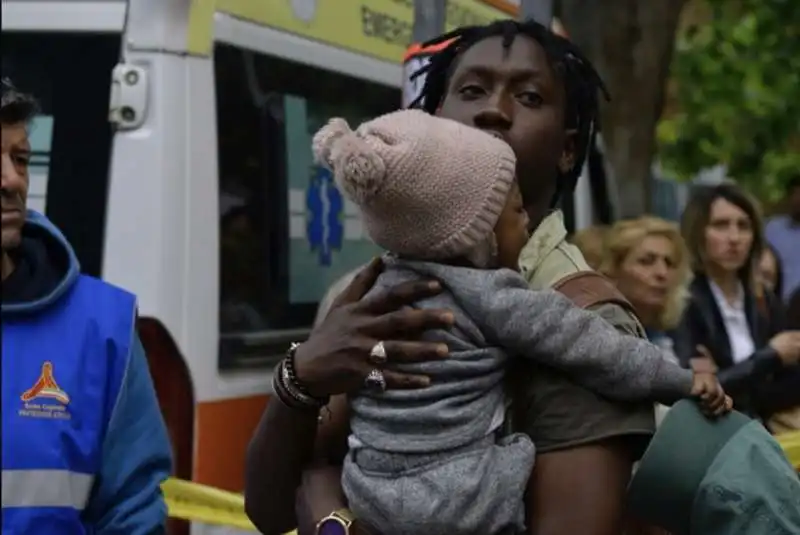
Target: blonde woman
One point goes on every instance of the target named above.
(648, 261)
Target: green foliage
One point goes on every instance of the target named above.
(738, 88)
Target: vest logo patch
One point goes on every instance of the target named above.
(45, 399)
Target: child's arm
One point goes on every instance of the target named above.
(547, 326)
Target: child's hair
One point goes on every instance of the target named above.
(581, 81)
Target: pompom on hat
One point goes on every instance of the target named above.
(427, 187)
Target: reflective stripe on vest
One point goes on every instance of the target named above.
(46, 488)
(63, 368)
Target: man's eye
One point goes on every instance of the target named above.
(530, 98)
(471, 90)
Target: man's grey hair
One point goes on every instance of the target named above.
(16, 106)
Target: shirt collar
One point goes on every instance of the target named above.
(738, 303)
(547, 236)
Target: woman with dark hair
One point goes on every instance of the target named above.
(730, 319)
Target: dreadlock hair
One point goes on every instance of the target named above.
(581, 81)
(15, 106)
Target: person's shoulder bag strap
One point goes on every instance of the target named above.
(588, 289)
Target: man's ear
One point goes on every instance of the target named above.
(567, 161)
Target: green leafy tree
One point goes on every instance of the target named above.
(736, 77)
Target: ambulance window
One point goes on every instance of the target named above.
(286, 232)
(69, 73)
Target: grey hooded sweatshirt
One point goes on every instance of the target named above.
(429, 461)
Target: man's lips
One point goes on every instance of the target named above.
(11, 214)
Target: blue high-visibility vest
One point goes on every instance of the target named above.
(63, 367)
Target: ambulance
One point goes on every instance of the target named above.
(173, 150)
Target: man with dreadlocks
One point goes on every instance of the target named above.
(442, 199)
(536, 91)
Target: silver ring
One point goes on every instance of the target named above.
(375, 380)
(378, 354)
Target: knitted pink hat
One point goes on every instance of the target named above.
(427, 187)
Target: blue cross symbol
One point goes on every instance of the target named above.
(324, 229)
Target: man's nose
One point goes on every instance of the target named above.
(495, 113)
(11, 177)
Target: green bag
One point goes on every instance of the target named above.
(726, 476)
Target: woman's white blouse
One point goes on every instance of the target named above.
(733, 316)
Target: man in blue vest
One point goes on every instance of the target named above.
(84, 444)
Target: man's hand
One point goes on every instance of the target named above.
(336, 358)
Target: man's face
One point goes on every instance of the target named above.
(514, 93)
(16, 155)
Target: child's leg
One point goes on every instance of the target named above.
(478, 489)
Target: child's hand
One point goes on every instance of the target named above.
(711, 396)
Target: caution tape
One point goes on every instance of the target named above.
(208, 505)
(200, 503)
(194, 502)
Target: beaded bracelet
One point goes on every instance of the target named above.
(286, 398)
(289, 389)
(288, 364)
(280, 390)
(283, 393)
(293, 381)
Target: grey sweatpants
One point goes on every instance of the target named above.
(474, 490)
